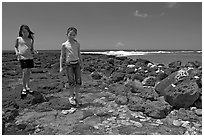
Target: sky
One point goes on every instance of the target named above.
(106, 25)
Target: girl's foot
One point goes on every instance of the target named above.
(23, 94)
(72, 101)
(29, 90)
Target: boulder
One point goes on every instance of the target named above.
(172, 79)
(157, 109)
(119, 89)
(59, 103)
(117, 76)
(121, 100)
(149, 93)
(136, 103)
(134, 85)
(149, 81)
(179, 89)
(182, 95)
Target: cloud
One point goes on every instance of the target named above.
(171, 4)
(119, 44)
(162, 14)
(141, 15)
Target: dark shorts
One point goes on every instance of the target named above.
(27, 63)
(74, 74)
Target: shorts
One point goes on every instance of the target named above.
(74, 74)
(26, 63)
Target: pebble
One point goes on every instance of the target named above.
(185, 124)
(137, 124)
(177, 123)
(193, 108)
(145, 119)
(198, 112)
(158, 121)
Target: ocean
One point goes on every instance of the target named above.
(156, 56)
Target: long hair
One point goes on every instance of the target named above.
(72, 29)
(28, 29)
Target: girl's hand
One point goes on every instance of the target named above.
(35, 52)
(61, 69)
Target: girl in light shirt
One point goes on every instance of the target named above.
(70, 51)
(24, 51)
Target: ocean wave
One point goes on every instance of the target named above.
(127, 53)
(132, 53)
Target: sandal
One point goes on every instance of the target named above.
(23, 94)
(72, 101)
(29, 91)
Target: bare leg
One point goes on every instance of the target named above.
(71, 91)
(24, 78)
(28, 79)
(77, 94)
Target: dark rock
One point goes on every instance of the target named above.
(60, 103)
(121, 58)
(130, 70)
(183, 95)
(142, 63)
(186, 115)
(49, 87)
(119, 89)
(157, 109)
(108, 70)
(191, 64)
(149, 81)
(135, 86)
(121, 100)
(161, 76)
(96, 75)
(116, 76)
(171, 79)
(199, 82)
(198, 102)
(178, 88)
(38, 98)
(149, 93)
(175, 64)
(138, 76)
(136, 103)
(111, 61)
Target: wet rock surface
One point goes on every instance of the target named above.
(120, 96)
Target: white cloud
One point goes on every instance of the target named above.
(142, 15)
(162, 14)
(119, 44)
(171, 4)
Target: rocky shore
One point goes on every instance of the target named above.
(120, 96)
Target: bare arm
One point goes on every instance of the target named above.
(79, 54)
(62, 56)
(32, 48)
(16, 47)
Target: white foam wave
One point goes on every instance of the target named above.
(126, 53)
(132, 53)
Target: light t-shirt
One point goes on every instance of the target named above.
(71, 51)
(24, 49)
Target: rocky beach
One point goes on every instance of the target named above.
(120, 96)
